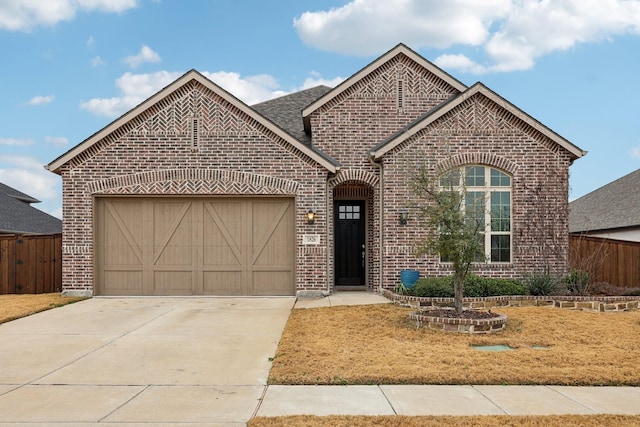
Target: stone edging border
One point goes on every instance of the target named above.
(590, 303)
(468, 326)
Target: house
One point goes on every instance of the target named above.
(17, 216)
(194, 192)
(611, 211)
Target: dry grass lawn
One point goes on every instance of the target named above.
(432, 421)
(377, 344)
(16, 306)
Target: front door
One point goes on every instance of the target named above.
(350, 251)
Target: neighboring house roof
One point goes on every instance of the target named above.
(18, 216)
(357, 77)
(431, 116)
(286, 111)
(316, 155)
(613, 206)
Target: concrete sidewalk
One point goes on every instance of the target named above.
(414, 400)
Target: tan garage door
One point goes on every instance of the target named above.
(195, 246)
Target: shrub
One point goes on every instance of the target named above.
(474, 286)
(439, 287)
(577, 282)
(542, 284)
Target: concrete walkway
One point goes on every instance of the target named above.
(205, 361)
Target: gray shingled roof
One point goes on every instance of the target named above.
(615, 205)
(286, 111)
(18, 216)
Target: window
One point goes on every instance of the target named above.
(487, 201)
(348, 212)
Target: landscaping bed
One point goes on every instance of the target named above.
(379, 344)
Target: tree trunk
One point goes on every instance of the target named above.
(458, 293)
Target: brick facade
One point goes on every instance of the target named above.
(155, 152)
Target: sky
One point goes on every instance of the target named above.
(70, 67)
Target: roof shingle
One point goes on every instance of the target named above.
(18, 216)
(615, 205)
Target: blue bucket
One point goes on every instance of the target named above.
(409, 277)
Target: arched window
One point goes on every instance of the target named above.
(487, 200)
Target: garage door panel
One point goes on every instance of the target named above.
(266, 283)
(223, 283)
(122, 233)
(122, 283)
(224, 225)
(272, 233)
(173, 283)
(193, 246)
(173, 227)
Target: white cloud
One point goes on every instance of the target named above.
(635, 152)
(25, 15)
(458, 62)
(96, 61)
(41, 100)
(511, 34)
(251, 89)
(367, 27)
(135, 88)
(16, 142)
(27, 175)
(56, 141)
(316, 80)
(90, 42)
(146, 54)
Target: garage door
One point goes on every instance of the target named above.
(195, 246)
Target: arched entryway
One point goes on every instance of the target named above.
(352, 235)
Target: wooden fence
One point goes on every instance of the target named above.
(30, 264)
(616, 262)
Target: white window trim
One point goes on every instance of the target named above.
(487, 189)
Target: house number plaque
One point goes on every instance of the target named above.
(311, 239)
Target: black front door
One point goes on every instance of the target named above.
(350, 250)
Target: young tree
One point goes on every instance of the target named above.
(453, 228)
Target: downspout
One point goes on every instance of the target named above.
(329, 199)
(380, 236)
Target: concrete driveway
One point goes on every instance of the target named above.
(140, 361)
